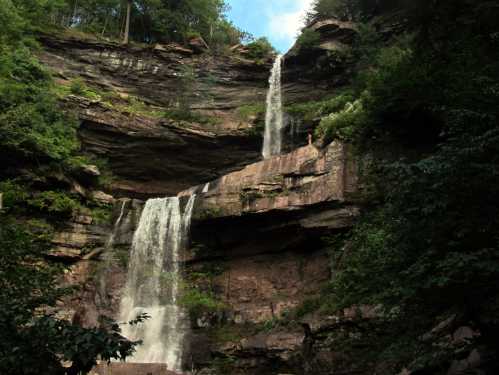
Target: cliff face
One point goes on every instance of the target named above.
(156, 155)
(257, 242)
(312, 72)
(155, 73)
(258, 228)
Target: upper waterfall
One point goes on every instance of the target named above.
(153, 283)
(273, 117)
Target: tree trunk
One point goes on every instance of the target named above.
(127, 22)
(73, 18)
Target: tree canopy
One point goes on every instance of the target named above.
(425, 111)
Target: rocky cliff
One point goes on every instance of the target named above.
(258, 250)
(143, 146)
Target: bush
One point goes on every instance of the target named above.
(54, 202)
(342, 124)
(247, 111)
(199, 302)
(260, 48)
(35, 342)
(79, 87)
(308, 39)
(31, 124)
(13, 194)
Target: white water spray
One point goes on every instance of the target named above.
(153, 280)
(273, 117)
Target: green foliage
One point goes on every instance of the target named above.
(211, 212)
(13, 193)
(253, 113)
(426, 112)
(310, 111)
(33, 340)
(342, 124)
(307, 306)
(181, 115)
(223, 365)
(17, 197)
(12, 24)
(30, 122)
(79, 87)
(54, 202)
(308, 39)
(249, 111)
(351, 10)
(260, 48)
(101, 215)
(199, 302)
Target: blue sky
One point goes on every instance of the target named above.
(278, 20)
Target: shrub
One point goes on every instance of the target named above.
(54, 202)
(260, 48)
(31, 123)
(78, 86)
(199, 302)
(247, 111)
(308, 39)
(342, 124)
(13, 194)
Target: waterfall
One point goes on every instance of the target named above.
(110, 240)
(153, 282)
(273, 116)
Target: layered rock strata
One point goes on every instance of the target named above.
(160, 155)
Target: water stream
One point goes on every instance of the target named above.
(153, 283)
(273, 117)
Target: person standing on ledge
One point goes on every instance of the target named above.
(310, 139)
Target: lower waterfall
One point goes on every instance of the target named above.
(153, 283)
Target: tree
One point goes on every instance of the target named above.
(127, 21)
(34, 340)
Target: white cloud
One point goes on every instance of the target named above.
(286, 25)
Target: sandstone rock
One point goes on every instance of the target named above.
(290, 182)
(173, 47)
(83, 219)
(465, 366)
(304, 78)
(198, 44)
(344, 31)
(91, 170)
(102, 197)
(153, 157)
(464, 335)
(143, 152)
(132, 369)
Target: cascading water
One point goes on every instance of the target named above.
(273, 117)
(110, 240)
(153, 280)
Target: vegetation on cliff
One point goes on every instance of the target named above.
(426, 248)
(38, 144)
(143, 21)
